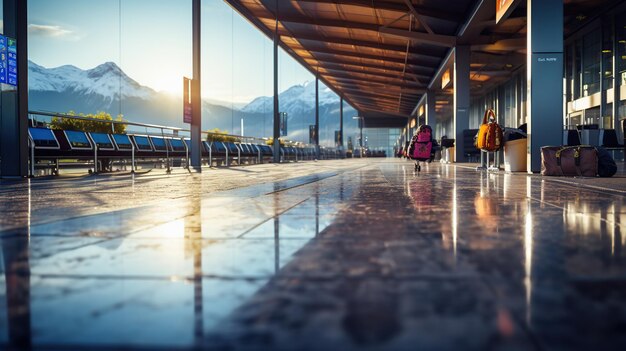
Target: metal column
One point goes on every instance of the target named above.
(276, 133)
(341, 123)
(14, 116)
(431, 117)
(545, 77)
(317, 117)
(603, 68)
(196, 104)
(616, 84)
(461, 97)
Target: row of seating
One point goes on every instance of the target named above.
(606, 138)
(56, 144)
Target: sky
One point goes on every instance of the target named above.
(151, 41)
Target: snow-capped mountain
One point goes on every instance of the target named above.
(69, 88)
(107, 80)
(295, 100)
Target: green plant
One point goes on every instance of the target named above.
(270, 142)
(88, 125)
(218, 135)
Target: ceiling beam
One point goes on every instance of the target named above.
(322, 22)
(385, 108)
(382, 102)
(505, 45)
(394, 6)
(447, 41)
(376, 109)
(514, 59)
(344, 41)
(344, 77)
(365, 93)
(415, 59)
(420, 18)
(387, 88)
(389, 103)
(416, 37)
(373, 74)
(427, 71)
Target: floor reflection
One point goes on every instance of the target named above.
(17, 282)
(372, 258)
(186, 258)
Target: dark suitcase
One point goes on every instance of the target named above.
(569, 161)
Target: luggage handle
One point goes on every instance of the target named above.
(489, 113)
(576, 159)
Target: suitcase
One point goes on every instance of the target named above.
(569, 161)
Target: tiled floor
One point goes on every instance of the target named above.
(330, 255)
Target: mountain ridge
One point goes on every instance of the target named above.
(68, 87)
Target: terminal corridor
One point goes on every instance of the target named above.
(351, 254)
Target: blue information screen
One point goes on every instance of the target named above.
(8, 60)
(3, 59)
(12, 61)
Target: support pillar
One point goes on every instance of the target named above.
(14, 116)
(461, 98)
(545, 77)
(276, 129)
(196, 99)
(603, 90)
(616, 83)
(431, 117)
(317, 117)
(341, 123)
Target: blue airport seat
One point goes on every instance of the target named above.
(102, 141)
(232, 149)
(158, 143)
(43, 138)
(177, 145)
(78, 140)
(219, 148)
(142, 143)
(122, 142)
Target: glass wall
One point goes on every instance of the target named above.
(444, 105)
(350, 127)
(133, 62)
(381, 139)
(589, 68)
(620, 31)
(507, 100)
(591, 54)
(237, 71)
(296, 98)
(129, 64)
(329, 115)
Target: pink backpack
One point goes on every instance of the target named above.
(422, 151)
(424, 135)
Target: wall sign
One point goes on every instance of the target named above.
(187, 100)
(8, 60)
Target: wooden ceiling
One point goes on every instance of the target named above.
(381, 55)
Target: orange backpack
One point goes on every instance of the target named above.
(489, 136)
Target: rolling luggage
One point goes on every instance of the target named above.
(569, 161)
(422, 146)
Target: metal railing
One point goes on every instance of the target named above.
(138, 128)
